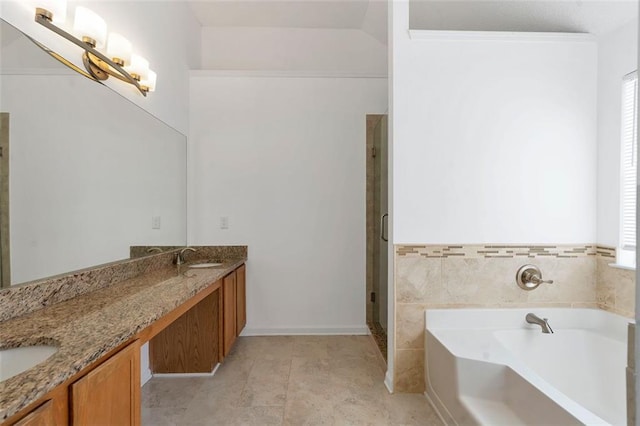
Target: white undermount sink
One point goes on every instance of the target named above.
(14, 361)
(205, 265)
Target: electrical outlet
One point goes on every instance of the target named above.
(224, 222)
(155, 222)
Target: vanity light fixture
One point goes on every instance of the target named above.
(90, 34)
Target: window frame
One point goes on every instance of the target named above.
(626, 253)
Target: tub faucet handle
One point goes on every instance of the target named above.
(537, 279)
(529, 277)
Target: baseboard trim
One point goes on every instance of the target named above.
(302, 331)
(178, 375)
(145, 376)
(388, 381)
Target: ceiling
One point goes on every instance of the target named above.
(591, 16)
(588, 16)
(366, 15)
(293, 14)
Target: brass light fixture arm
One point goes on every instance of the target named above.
(100, 68)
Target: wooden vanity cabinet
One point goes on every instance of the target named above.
(234, 306)
(241, 299)
(106, 394)
(42, 416)
(229, 312)
(109, 394)
(190, 344)
(194, 337)
(52, 412)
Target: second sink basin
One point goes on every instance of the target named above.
(205, 265)
(14, 361)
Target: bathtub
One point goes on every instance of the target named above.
(489, 367)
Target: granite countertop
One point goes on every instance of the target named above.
(87, 327)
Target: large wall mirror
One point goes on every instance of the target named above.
(84, 174)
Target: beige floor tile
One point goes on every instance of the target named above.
(216, 394)
(356, 411)
(308, 406)
(170, 392)
(351, 346)
(263, 347)
(273, 370)
(162, 416)
(311, 346)
(302, 380)
(263, 394)
(231, 416)
(234, 370)
(228, 416)
(266, 384)
(411, 409)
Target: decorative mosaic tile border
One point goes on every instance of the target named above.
(488, 251)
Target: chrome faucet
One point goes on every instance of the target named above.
(179, 259)
(542, 322)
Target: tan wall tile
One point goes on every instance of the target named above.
(625, 287)
(573, 280)
(615, 288)
(410, 326)
(486, 281)
(418, 279)
(409, 371)
(605, 289)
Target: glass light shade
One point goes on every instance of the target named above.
(89, 24)
(150, 81)
(119, 47)
(139, 66)
(58, 9)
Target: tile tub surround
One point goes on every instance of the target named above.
(616, 288)
(88, 326)
(203, 252)
(465, 276)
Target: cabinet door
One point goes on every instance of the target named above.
(241, 299)
(109, 394)
(229, 311)
(190, 343)
(44, 415)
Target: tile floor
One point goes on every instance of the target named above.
(288, 380)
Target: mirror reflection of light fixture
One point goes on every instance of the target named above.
(90, 33)
(119, 49)
(90, 27)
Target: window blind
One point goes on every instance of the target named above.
(629, 160)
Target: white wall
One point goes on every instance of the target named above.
(300, 49)
(166, 33)
(494, 138)
(617, 56)
(284, 160)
